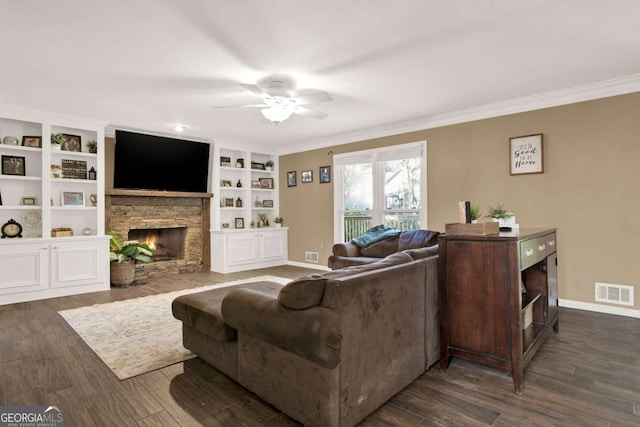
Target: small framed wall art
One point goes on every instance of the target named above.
(72, 142)
(307, 176)
(325, 174)
(525, 154)
(266, 183)
(13, 165)
(72, 198)
(292, 179)
(32, 141)
(29, 201)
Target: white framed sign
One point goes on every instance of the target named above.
(525, 154)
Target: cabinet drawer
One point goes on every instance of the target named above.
(535, 250)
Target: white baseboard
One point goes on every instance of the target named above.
(308, 265)
(599, 308)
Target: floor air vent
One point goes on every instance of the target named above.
(311, 256)
(616, 294)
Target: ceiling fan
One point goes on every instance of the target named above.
(278, 104)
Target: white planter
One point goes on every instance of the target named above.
(505, 222)
(55, 147)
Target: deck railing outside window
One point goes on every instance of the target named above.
(354, 226)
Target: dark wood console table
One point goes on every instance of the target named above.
(484, 315)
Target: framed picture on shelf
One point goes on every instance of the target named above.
(267, 203)
(239, 222)
(72, 143)
(266, 183)
(258, 166)
(525, 153)
(72, 198)
(32, 141)
(29, 201)
(225, 225)
(13, 165)
(325, 174)
(226, 183)
(225, 161)
(228, 202)
(307, 176)
(255, 184)
(292, 179)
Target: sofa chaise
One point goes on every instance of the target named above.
(326, 349)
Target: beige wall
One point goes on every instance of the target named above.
(589, 189)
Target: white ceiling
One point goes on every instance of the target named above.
(389, 65)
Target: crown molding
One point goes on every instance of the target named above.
(614, 87)
(38, 116)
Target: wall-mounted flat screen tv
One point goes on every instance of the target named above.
(149, 162)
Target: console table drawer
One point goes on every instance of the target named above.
(535, 250)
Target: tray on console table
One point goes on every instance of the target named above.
(484, 315)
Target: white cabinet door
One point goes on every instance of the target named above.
(24, 268)
(273, 246)
(242, 248)
(78, 263)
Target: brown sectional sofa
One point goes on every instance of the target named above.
(326, 349)
(421, 243)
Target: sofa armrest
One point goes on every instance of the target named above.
(347, 249)
(313, 333)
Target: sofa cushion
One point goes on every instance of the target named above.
(421, 253)
(307, 291)
(381, 248)
(303, 292)
(412, 239)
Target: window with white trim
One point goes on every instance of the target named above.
(380, 186)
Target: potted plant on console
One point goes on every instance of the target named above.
(278, 220)
(123, 257)
(500, 215)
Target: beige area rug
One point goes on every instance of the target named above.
(139, 335)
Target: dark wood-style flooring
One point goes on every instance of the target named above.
(588, 374)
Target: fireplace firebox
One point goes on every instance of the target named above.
(168, 243)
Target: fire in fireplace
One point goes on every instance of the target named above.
(168, 242)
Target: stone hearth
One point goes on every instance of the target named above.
(140, 210)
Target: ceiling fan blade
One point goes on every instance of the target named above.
(240, 106)
(254, 89)
(304, 111)
(312, 98)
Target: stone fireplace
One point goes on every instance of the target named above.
(176, 223)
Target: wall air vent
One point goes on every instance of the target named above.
(615, 294)
(311, 257)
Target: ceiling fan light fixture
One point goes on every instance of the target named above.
(279, 110)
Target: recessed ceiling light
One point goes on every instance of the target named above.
(179, 128)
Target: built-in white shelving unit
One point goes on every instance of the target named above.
(245, 189)
(38, 264)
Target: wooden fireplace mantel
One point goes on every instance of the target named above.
(155, 193)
